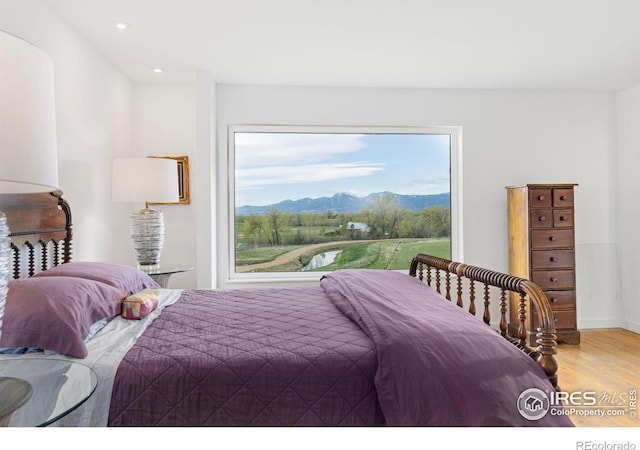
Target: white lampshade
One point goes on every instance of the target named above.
(153, 180)
(28, 151)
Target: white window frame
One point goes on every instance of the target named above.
(228, 277)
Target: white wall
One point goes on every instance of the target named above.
(164, 125)
(101, 114)
(93, 104)
(628, 204)
(509, 137)
(207, 160)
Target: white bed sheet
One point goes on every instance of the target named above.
(106, 349)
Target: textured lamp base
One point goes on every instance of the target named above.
(5, 264)
(147, 232)
(13, 392)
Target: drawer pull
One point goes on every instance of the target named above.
(563, 197)
(553, 259)
(552, 238)
(553, 300)
(542, 218)
(553, 279)
(563, 218)
(555, 320)
(541, 197)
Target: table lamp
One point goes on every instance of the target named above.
(28, 156)
(148, 180)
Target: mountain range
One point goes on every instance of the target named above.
(345, 203)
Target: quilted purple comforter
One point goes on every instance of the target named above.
(437, 364)
(365, 348)
(248, 357)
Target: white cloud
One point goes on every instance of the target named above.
(273, 149)
(426, 186)
(262, 176)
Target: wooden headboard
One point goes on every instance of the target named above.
(40, 231)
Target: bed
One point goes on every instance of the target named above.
(363, 348)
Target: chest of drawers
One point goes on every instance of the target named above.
(542, 249)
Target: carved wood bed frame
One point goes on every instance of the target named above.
(41, 231)
(40, 225)
(438, 273)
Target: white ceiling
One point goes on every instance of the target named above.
(494, 44)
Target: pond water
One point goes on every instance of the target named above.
(321, 260)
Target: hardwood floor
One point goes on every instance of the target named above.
(606, 362)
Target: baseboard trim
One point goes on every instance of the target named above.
(632, 326)
(600, 323)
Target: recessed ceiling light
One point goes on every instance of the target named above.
(122, 26)
(158, 69)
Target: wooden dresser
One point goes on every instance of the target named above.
(542, 249)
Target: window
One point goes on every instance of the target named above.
(304, 200)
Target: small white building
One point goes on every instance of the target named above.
(358, 226)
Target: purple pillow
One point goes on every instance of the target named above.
(126, 278)
(55, 313)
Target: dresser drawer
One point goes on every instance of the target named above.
(552, 238)
(552, 259)
(547, 218)
(553, 279)
(562, 198)
(541, 218)
(540, 198)
(561, 299)
(562, 218)
(562, 319)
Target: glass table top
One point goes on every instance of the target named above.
(59, 387)
(165, 269)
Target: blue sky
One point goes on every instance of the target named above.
(271, 167)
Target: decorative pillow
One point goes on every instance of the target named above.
(138, 306)
(127, 278)
(56, 313)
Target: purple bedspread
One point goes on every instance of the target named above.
(437, 364)
(248, 357)
(365, 348)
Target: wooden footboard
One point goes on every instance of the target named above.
(461, 288)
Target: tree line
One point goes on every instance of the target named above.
(383, 218)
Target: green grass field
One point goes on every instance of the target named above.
(263, 254)
(392, 254)
(395, 254)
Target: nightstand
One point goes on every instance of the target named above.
(161, 274)
(58, 388)
(14, 393)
